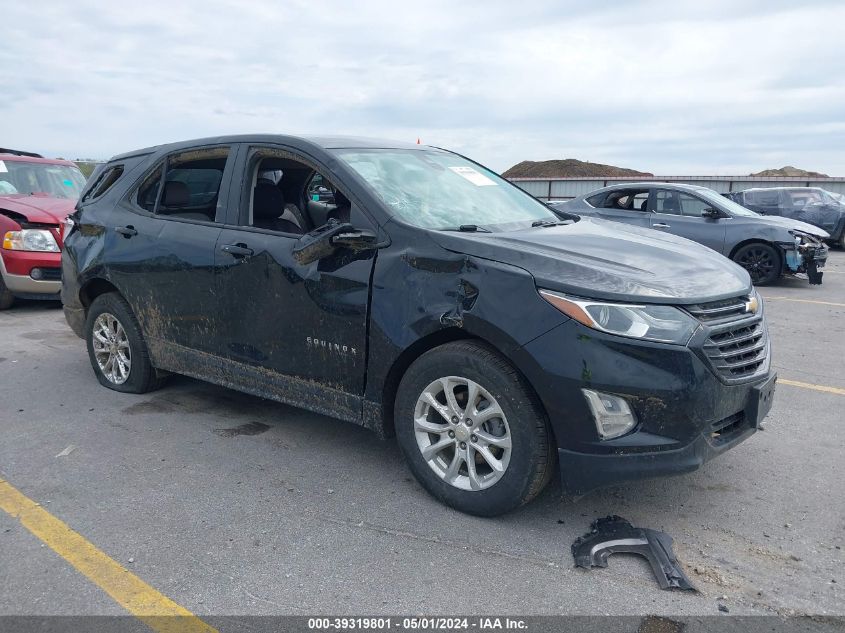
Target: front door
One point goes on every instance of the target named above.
(305, 326)
(680, 213)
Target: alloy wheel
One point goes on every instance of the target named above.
(462, 433)
(758, 262)
(111, 348)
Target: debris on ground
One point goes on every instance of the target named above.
(724, 608)
(613, 534)
(67, 451)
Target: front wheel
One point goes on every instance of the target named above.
(761, 261)
(472, 431)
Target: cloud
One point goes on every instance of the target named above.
(668, 87)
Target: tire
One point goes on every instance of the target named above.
(6, 297)
(761, 261)
(119, 338)
(520, 440)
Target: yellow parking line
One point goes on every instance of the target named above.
(809, 385)
(824, 303)
(157, 611)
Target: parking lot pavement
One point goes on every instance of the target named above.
(229, 504)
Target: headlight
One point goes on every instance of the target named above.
(805, 239)
(664, 324)
(30, 240)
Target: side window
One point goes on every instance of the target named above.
(148, 193)
(666, 201)
(191, 185)
(692, 206)
(641, 201)
(290, 195)
(626, 200)
(320, 189)
(763, 198)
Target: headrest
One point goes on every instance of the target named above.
(176, 194)
(267, 200)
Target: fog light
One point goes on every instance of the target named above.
(36, 273)
(612, 414)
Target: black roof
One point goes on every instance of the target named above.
(323, 142)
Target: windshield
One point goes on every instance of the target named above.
(726, 204)
(438, 190)
(57, 181)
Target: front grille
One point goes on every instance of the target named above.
(719, 311)
(737, 345)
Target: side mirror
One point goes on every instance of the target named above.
(325, 240)
(318, 243)
(355, 240)
(710, 212)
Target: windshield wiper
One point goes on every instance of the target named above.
(468, 228)
(545, 223)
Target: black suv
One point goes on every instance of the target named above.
(425, 297)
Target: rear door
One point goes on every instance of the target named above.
(679, 213)
(161, 247)
(303, 325)
(629, 206)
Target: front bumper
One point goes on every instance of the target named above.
(805, 259)
(686, 414)
(582, 472)
(16, 268)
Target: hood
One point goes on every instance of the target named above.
(792, 225)
(38, 209)
(607, 260)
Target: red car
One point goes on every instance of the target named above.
(36, 196)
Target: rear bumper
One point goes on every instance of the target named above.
(16, 269)
(75, 318)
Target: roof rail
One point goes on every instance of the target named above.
(18, 152)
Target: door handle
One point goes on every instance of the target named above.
(660, 225)
(126, 231)
(237, 250)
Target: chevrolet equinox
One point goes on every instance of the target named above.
(411, 291)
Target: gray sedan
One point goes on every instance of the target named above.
(767, 247)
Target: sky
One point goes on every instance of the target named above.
(673, 88)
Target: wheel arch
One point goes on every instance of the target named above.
(426, 344)
(93, 288)
(757, 240)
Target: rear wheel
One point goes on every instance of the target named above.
(6, 297)
(116, 347)
(761, 261)
(472, 431)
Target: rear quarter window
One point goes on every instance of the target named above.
(596, 200)
(109, 176)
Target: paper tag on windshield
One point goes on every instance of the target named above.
(476, 178)
(3, 168)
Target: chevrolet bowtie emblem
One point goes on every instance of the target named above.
(752, 305)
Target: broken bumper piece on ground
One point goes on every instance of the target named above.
(614, 534)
